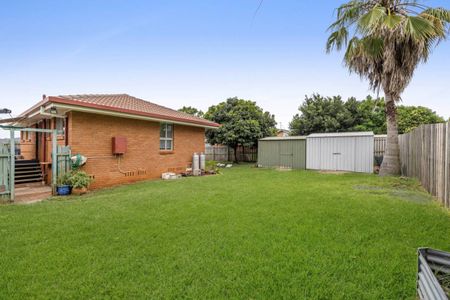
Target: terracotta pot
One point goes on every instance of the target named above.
(81, 191)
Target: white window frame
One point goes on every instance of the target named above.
(61, 131)
(166, 138)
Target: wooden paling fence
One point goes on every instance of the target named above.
(245, 154)
(379, 144)
(225, 153)
(216, 152)
(63, 164)
(4, 171)
(425, 154)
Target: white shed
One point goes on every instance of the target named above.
(346, 151)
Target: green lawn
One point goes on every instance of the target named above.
(248, 233)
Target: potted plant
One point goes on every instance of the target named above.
(63, 184)
(80, 182)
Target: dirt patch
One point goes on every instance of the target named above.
(283, 169)
(333, 172)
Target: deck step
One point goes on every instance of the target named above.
(28, 180)
(27, 171)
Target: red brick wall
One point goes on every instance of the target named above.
(91, 135)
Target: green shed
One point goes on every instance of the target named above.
(282, 152)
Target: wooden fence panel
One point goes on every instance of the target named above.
(425, 154)
(225, 153)
(245, 154)
(64, 163)
(4, 171)
(379, 144)
(216, 152)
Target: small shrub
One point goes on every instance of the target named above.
(64, 179)
(211, 166)
(80, 180)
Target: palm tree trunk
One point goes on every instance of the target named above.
(391, 158)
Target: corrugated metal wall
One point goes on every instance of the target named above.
(347, 153)
(289, 153)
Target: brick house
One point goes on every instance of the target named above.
(158, 139)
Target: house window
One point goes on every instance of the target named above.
(166, 137)
(60, 126)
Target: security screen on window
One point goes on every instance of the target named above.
(166, 137)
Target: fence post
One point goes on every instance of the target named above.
(446, 165)
(12, 171)
(54, 160)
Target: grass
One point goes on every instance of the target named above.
(248, 233)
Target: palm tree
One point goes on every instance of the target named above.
(384, 41)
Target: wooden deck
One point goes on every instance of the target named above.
(31, 193)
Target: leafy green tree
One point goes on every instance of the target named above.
(410, 117)
(353, 115)
(242, 123)
(371, 116)
(322, 114)
(384, 41)
(192, 111)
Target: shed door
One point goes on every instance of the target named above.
(286, 154)
(344, 154)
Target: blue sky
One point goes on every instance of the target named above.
(194, 53)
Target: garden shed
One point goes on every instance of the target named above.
(347, 151)
(282, 152)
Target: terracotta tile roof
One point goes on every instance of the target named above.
(127, 104)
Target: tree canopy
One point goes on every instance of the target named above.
(385, 40)
(192, 111)
(243, 123)
(332, 114)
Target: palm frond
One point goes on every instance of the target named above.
(337, 39)
(392, 20)
(369, 21)
(373, 46)
(347, 15)
(439, 13)
(385, 40)
(418, 28)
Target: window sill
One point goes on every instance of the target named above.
(166, 152)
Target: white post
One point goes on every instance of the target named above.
(12, 156)
(54, 159)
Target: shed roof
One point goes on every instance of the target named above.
(282, 138)
(122, 103)
(341, 134)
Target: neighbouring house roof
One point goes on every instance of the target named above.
(282, 130)
(122, 104)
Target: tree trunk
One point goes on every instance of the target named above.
(391, 158)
